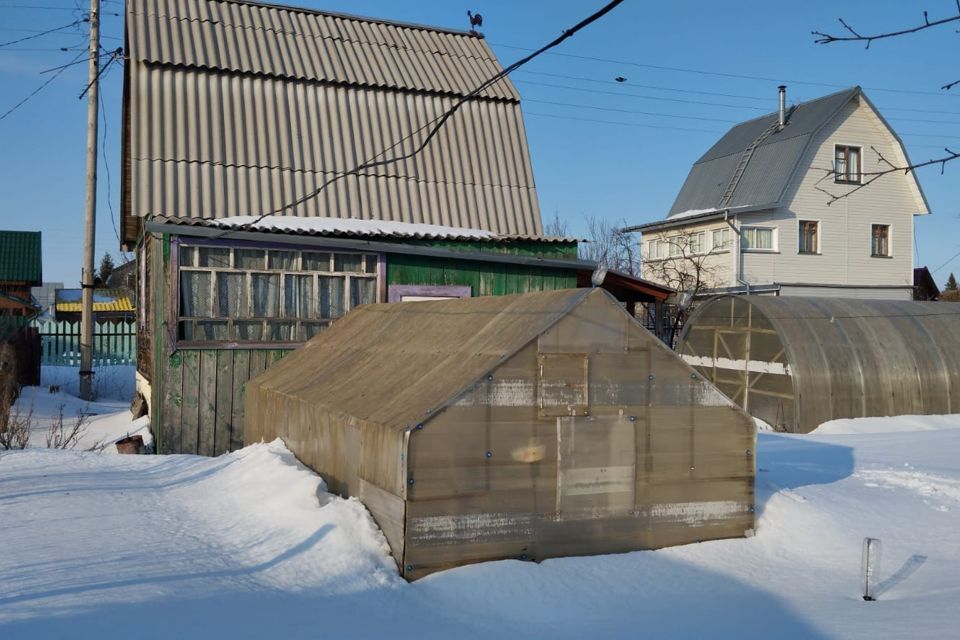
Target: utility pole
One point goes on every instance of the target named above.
(90, 221)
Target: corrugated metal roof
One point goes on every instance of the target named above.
(290, 42)
(392, 364)
(20, 257)
(773, 161)
(351, 228)
(69, 300)
(235, 108)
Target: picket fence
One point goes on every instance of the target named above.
(114, 343)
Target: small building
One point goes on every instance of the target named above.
(21, 268)
(525, 426)
(798, 362)
(924, 286)
(246, 243)
(786, 204)
(109, 305)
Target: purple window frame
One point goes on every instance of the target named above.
(396, 292)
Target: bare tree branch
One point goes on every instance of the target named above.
(855, 36)
(873, 176)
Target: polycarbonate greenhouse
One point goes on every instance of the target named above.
(798, 362)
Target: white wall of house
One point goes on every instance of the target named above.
(844, 247)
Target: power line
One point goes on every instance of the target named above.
(646, 86)
(952, 258)
(641, 96)
(38, 89)
(643, 113)
(720, 74)
(40, 33)
(626, 124)
(442, 119)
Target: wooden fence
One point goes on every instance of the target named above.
(113, 343)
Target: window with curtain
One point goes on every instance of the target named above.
(243, 294)
(880, 242)
(846, 164)
(720, 240)
(809, 237)
(757, 238)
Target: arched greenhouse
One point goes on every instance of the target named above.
(796, 362)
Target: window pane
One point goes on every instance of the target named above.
(195, 298)
(210, 330)
(331, 296)
(298, 296)
(248, 330)
(232, 295)
(266, 294)
(371, 263)
(362, 291)
(765, 238)
(311, 329)
(282, 331)
(286, 260)
(316, 261)
(250, 259)
(349, 262)
(188, 256)
(214, 257)
(853, 164)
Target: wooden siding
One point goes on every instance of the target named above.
(198, 394)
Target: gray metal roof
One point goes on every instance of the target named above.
(235, 108)
(772, 164)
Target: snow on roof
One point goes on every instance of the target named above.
(320, 226)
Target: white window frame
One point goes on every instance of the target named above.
(774, 239)
(701, 245)
(726, 245)
(889, 253)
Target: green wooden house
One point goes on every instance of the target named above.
(249, 237)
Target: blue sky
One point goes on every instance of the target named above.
(594, 152)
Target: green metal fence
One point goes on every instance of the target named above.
(113, 343)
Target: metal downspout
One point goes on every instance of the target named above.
(738, 252)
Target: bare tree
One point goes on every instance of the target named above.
(14, 424)
(853, 35)
(685, 265)
(609, 246)
(886, 168)
(557, 227)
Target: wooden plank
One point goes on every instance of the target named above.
(241, 373)
(207, 401)
(224, 416)
(190, 407)
(169, 390)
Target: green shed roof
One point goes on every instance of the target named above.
(20, 259)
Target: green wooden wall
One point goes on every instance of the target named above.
(197, 394)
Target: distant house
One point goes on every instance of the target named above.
(46, 295)
(108, 305)
(776, 207)
(21, 267)
(240, 121)
(924, 286)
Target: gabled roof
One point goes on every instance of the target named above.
(770, 164)
(395, 364)
(20, 257)
(234, 108)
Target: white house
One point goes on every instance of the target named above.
(791, 186)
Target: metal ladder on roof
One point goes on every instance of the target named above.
(744, 161)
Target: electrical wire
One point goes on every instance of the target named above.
(720, 74)
(625, 124)
(643, 113)
(440, 120)
(640, 96)
(39, 34)
(38, 89)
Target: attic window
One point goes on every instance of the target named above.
(846, 164)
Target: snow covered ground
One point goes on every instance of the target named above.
(249, 545)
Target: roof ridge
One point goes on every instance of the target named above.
(351, 16)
